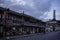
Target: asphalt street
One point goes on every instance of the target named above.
(48, 36)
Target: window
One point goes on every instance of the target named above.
(10, 17)
(1, 29)
(0, 15)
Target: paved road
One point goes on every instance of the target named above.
(48, 36)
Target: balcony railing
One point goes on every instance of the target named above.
(22, 22)
(30, 24)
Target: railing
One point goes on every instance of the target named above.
(23, 22)
(31, 24)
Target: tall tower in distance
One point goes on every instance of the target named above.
(54, 15)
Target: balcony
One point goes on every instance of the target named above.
(15, 24)
(30, 24)
(19, 22)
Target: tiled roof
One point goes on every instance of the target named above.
(13, 12)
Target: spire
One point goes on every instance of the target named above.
(54, 16)
(23, 12)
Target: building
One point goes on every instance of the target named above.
(52, 25)
(14, 23)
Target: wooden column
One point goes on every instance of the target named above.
(33, 30)
(37, 30)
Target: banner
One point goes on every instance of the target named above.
(5, 16)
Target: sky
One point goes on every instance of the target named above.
(40, 9)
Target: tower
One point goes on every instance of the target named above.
(53, 23)
(54, 16)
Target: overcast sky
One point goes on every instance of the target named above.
(41, 9)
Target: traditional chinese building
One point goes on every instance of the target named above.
(19, 23)
(52, 25)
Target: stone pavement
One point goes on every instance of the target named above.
(20, 36)
(48, 36)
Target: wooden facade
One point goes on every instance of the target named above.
(13, 23)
